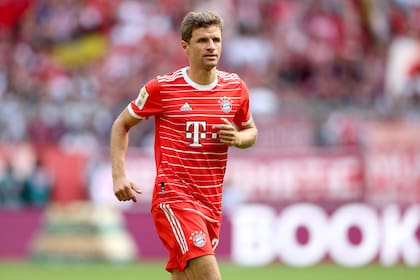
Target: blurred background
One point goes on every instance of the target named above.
(335, 92)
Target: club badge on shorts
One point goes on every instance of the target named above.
(198, 238)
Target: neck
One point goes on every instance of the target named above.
(202, 76)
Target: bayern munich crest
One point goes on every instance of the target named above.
(198, 238)
(225, 104)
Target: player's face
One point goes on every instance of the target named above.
(205, 47)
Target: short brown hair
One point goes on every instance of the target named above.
(195, 20)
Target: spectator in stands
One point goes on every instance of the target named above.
(10, 188)
(37, 186)
(310, 51)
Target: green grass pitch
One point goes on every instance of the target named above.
(12, 270)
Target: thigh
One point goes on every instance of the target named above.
(200, 268)
(204, 267)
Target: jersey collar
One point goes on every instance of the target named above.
(194, 84)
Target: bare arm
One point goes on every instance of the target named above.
(124, 189)
(244, 138)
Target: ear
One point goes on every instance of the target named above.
(184, 45)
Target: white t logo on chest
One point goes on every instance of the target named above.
(196, 130)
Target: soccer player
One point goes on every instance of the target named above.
(199, 112)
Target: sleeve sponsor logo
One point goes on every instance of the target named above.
(142, 98)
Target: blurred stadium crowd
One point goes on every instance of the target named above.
(67, 67)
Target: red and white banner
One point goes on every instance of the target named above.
(304, 177)
(392, 163)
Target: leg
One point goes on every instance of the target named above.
(176, 275)
(201, 268)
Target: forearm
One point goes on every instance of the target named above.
(124, 189)
(118, 147)
(247, 137)
(119, 142)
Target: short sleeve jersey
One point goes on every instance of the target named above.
(190, 160)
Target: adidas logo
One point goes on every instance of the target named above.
(186, 107)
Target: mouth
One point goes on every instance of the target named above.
(210, 56)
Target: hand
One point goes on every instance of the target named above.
(227, 133)
(126, 190)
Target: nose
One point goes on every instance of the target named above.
(211, 45)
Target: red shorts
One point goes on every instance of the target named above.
(186, 234)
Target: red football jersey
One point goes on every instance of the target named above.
(190, 160)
